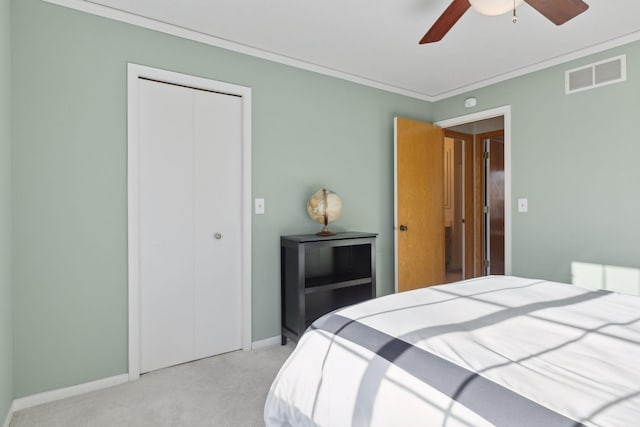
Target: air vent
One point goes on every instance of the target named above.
(612, 70)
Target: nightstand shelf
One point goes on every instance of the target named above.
(333, 282)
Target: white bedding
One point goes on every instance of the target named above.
(488, 351)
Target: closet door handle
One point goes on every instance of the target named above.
(403, 228)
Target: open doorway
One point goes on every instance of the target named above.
(454, 203)
(453, 218)
(474, 199)
(425, 251)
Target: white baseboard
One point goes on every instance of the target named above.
(12, 409)
(62, 393)
(269, 342)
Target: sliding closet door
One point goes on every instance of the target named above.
(189, 224)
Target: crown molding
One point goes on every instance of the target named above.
(174, 30)
(163, 27)
(581, 53)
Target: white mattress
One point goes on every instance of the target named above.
(487, 351)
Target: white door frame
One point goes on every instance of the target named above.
(134, 72)
(504, 111)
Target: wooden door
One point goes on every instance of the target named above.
(190, 230)
(489, 161)
(419, 204)
(495, 202)
(468, 209)
(478, 201)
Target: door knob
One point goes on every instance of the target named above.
(218, 236)
(403, 228)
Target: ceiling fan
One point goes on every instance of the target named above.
(557, 11)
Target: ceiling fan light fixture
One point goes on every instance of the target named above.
(494, 7)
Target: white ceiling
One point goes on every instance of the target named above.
(376, 41)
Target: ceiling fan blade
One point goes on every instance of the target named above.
(559, 11)
(449, 17)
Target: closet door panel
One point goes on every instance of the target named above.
(166, 225)
(218, 204)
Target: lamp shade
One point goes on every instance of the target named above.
(494, 7)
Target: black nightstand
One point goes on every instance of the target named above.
(321, 274)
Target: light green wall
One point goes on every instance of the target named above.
(69, 177)
(6, 330)
(575, 157)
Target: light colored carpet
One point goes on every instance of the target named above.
(226, 390)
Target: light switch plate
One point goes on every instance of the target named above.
(259, 206)
(523, 205)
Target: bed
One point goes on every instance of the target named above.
(496, 350)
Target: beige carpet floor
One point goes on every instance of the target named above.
(226, 390)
